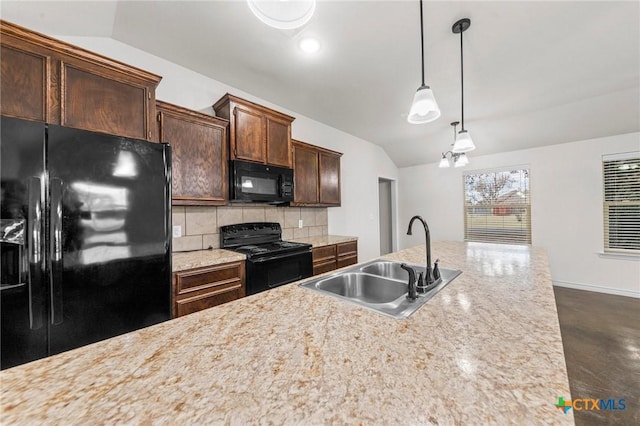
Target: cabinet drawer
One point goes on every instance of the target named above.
(348, 249)
(199, 279)
(210, 299)
(325, 266)
(324, 253)
(346, 261)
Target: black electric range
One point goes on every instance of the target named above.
(271, 262)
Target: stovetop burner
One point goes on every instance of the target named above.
(258, 239)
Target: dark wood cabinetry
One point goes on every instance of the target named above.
(305, 174)
(329, 173)
(324, 259)
(202, 288)
(346, 254)
(199, 154)
(47, 80)
(334, 256)
(316, 175)
(256, 133)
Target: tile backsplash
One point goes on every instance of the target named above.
(201, 225)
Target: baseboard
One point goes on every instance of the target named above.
(598, 289)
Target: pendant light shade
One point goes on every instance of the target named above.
(444, 162)
(463, 140)
(424, 108)
(284, 15)
(461, 161)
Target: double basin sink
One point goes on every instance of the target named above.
(380, 286)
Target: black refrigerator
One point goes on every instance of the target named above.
(86, 243)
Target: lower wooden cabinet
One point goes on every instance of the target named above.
(202, 288)
(347, 254)
(334, 256)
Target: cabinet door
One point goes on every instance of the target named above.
(248, 140)
(103, 102)
(199, 166)
(305, 175)
(278, 142)
(24, 82)
(329, 171)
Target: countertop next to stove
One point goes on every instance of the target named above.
(325, 240)
(485, 350)
(182, 261)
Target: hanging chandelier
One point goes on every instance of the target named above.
(459, 159)
(463, 143)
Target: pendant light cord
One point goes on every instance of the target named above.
(422, 42)
(462, 78)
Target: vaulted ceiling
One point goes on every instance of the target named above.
(536, 73)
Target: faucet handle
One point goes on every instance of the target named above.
(412, 293)
(436, 270)
(411, 271)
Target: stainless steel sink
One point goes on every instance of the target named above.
(379, 285)
(390, 270)
(363, 287)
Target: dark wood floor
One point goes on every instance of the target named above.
(601, 338)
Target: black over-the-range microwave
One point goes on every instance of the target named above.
(254, 182)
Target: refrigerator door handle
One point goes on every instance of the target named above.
(34, 230)
(55, 255)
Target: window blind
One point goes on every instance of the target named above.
(497, 207)
(621, 179)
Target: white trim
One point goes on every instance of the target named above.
(598, 289)
(498, 169)
(619, 256)
(632, 155)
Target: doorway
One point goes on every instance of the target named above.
(386, 216)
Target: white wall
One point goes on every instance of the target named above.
(566, 206)
(362, 162)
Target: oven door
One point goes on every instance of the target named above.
(273, 271)
(259, 183)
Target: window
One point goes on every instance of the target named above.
(621, 176)
(497, 206)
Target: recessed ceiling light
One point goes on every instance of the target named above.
(309, 45)
(283, 14)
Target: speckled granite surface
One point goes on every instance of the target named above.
(325, 240)
(485, 350)
(197, 259)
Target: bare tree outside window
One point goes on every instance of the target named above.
(497, 207)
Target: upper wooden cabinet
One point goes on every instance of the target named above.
(256, 133)
(316, 174)
(47, 80)
(199, 154)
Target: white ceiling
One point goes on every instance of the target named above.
(536, 73)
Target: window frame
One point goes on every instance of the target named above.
(606, 220)
(528, 206)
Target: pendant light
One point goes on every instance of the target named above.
(463, 141)
(424, 108)
(459, 158)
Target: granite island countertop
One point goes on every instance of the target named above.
(485, 350)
